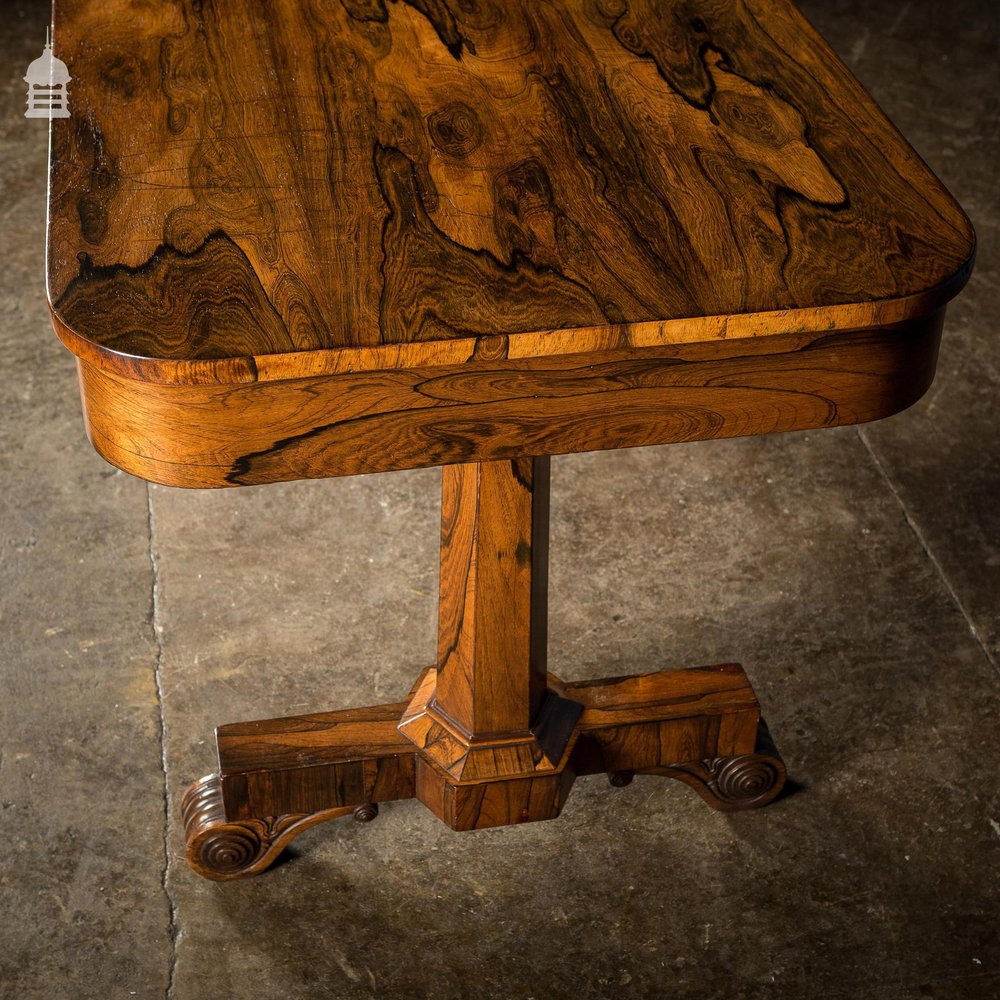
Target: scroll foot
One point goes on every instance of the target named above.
(731, 783)
(218, 849)
(366, 813)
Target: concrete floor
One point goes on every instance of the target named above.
(855, 573)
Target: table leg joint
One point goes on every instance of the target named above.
(280, 777)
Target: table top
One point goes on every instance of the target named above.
(277, 190)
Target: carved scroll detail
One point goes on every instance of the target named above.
(220, 850)
(730, 783)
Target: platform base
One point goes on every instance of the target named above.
(280, 777)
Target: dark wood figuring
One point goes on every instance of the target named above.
(294, 177)
(335, 426)
(279, 777)
(292, 240)
(486, 737)
(493, 596)
(314, 762)
(281, 235)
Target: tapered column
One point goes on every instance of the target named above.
(492, 631)
(486, 738)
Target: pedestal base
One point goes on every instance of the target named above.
(279, 777)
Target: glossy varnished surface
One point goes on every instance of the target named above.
(279, 777)
(936, 73)
(253, 192)
(307, 428)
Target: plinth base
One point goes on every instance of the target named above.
(279, 777)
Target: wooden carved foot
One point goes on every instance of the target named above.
(487, 737)
(745, 781)
(731, 783)
(218, 849)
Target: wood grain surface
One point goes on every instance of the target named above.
(306, 238)
(487, 737)
(493, 607)
(239, 435)
(279, 777)
(271, 190)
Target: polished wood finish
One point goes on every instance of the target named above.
(487, 737)
(313, 762)
(220, 849)
(298, 240)
(504, 753)
(279, 777)
(484, 710)
(315, 427)
(493, 612)
(290, 178)
(282, 236)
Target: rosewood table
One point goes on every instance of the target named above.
(296, 240)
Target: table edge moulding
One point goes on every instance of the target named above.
(362, 238)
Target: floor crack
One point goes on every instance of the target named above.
(930, 555)
(157, 627)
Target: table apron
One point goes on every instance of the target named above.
(347, 424)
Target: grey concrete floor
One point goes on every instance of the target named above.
(855, 573)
